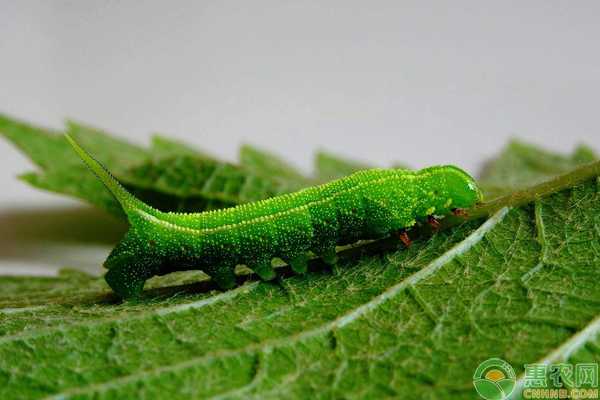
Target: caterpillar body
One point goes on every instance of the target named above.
(366, 205)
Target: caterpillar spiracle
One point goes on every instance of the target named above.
(366, 205)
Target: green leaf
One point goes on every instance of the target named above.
(115, 154)
(43, 146)
(521, 286)
(187, 179)
(75, 182)
(63, 171)
(164, 147)
(170, 176)
(521, 165)
(330, 167)
(266, 164)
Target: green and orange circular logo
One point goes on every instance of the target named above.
(494, 379)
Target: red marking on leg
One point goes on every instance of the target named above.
(151, 243)
(458, 211)
(263, 237)
(384, 202)
(353, 211)
(404, 237)
(432, 221)
(326, 221)
(224, 245)
(185, 247)
(300, 228)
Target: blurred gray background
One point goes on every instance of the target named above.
(411, 81)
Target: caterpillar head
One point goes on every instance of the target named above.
(450, 189)
(461, 188)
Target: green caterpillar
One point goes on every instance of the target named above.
(366, 205)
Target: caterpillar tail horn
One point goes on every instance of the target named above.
(129, 203)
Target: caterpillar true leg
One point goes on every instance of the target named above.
(404, 237)
(458, 211)
(432, 221)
